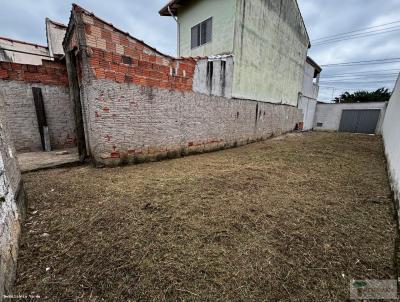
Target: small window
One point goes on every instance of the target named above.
(320, 124)
(202, 33)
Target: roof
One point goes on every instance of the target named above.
(173, 5)
(314, 64)
(56, 23)
(55, 33)
(22, 42)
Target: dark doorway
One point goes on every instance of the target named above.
(41, 117)
(359, 121)
(75, 95)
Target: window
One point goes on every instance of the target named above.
(202, 33)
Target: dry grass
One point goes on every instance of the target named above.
(289, 219)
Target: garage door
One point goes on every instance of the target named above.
(359, 121)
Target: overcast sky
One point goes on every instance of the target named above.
(24, 20)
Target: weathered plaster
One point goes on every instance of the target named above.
(270, 49)
(391, 138)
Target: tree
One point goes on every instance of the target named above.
(362, 96)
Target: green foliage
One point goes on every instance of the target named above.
(362, 96)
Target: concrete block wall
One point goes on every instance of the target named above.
(16, 92)
(391, 138)
(330, 114)
(139, 104)
(12, 207)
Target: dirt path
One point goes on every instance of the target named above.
(291, 219)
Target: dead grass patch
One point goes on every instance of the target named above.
(282, 220)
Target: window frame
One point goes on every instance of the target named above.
(199, 28)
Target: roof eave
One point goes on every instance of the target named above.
(314, 64)
(171, 7)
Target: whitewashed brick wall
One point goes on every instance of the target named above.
(20, 108)
(129, 120)
(11, 206)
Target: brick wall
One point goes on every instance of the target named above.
(16, 91)
(116, 56)
(139, 104)
(128, 122)
(12, 207)
(50, 73)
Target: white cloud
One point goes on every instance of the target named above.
(24, 20)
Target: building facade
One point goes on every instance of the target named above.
(268, 41)
(309, 95)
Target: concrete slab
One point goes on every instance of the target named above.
(33, 161)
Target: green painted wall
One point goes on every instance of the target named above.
(267, 37)
(196, 11)
(270, 51)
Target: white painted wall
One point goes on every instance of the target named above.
(309, 95)
(270, 48)
(391, 138)
(310, 89)
(38, 53)
(55, 33)
(220, 82)
(308, 107)
(330, 114)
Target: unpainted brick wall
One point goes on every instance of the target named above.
(116, 56)
(16, 92)
(50, 73)
(139, 104)
(11, 207)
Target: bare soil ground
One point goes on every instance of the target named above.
(291, 219)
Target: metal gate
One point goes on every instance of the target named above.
(359, 121)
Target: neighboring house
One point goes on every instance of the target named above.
(268, 41)
(28, 53)
(55, 33)
(309, 95)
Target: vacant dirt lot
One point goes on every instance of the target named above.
(291, 219)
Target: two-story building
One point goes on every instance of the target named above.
(309, 94)
(266, 38)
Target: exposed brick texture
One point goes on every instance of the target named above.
(139, 104)
(11, 207)
(116, 56)
(127, 121)
(50, 73)
(21, 114)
